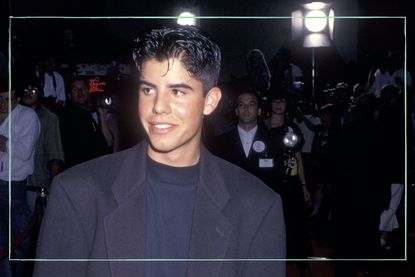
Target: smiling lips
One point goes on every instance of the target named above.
(161, 128)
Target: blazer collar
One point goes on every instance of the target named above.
(211, 230)
(210, 180)
(125, 226)
(133, 174)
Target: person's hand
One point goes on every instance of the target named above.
(306, 193)
(102, 112)
(3, 143)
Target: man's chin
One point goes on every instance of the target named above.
(159, 147)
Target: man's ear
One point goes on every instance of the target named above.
(212, 99)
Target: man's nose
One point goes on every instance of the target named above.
(161, 103)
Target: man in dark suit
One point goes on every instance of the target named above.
(247, 144)
(168, 197)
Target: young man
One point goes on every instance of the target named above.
(167, 197)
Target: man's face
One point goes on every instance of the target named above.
(279, 106)
(30, 96)
(247, 109)
(171, 107)
(79, 93)
(4, 101)
(50, 65)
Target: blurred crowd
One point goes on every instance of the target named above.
(335, 154)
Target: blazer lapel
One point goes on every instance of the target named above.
(211, 230)
(239, 147)
(125, 225)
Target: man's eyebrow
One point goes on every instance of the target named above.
(182, 86)
(143, 82)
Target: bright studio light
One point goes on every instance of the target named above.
(315, 21)
(186, 18)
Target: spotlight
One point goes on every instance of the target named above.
(315, 22)
(187, 16)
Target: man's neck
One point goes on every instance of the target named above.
(34, 106)
(85, 106)
(177, 158)
(247, 127)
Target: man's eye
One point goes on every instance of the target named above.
(177, 92)
(146, 91)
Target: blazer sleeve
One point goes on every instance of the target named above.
(268, 244)
(61, 238)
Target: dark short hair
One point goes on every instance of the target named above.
(199, 54)
(4, 84)
(244, 86)
(77, 79)
(280, 95)
(72, 80)
(251, 92)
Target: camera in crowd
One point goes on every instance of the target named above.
(103, 100)
(100, 94)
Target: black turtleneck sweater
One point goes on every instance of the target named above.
(171, 194)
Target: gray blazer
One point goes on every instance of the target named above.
(96, 211)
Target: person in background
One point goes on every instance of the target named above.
(248, 144)
(53, 85)
(49, 156)
(20, 146)
(83, 137)
(286, 143)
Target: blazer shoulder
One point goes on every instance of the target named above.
(99, 171)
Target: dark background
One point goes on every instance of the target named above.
(356, 41)
(357, 44)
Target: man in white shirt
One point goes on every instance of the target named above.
(54, 85)
(247, 145)
(20, 145)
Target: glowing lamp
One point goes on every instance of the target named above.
(314, 22)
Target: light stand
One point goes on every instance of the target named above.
(314, 22)
(313, 88)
